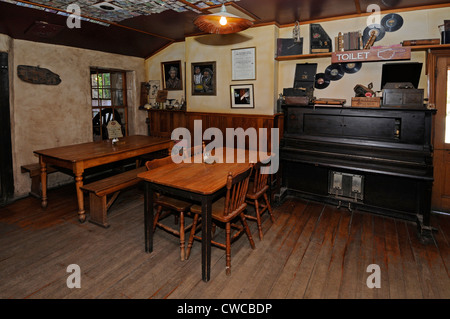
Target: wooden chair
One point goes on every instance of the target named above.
(224, 211)
(257, 190)
(169, 205)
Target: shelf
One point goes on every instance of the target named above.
(328, 54)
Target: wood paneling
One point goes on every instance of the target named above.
(163, 122)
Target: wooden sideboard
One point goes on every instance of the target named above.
(163, 122)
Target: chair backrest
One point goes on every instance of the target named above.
(237, 187)
(158, 162)
(259, 180)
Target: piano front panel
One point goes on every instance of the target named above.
(390, 147)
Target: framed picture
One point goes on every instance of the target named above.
(242, 96)
(154, 87)
(243, 64)
(171, 75)
(204, 78)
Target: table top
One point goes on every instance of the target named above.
(91, 150)
(201, 178)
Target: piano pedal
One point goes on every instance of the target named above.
(349, 206)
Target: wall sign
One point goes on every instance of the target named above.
(37, 75)
(374, 54)
(243, 64)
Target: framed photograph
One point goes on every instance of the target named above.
(242, 96)
(243, 64)
(171, 75)
(154, 87)
(204, 78)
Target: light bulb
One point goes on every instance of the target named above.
(223, 21)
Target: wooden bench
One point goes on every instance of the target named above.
(99, 190)
(35, 173)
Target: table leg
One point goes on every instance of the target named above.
(43, 182)
(148, 217)
(80, 197)
(206, 237)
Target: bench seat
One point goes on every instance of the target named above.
(35, 174)
(99, 190)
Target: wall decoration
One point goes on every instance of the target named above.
(242, 96)
(154, 86)
(37, 75)
(204, 78)
(243, 64)
(171, 75)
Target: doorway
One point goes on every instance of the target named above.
(6, 167)
(439, 73)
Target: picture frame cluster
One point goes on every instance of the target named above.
(204, 77)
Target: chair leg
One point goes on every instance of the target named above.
(182, 240)
(258, 219)
(247, 230)
(269, 208)
(191, 236)
(156, 217)
(228, 248)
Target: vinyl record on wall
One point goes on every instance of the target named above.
(334, 72)
(351, 67)
(392, 22)
(379, 32)
(322, 81)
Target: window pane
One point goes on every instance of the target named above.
(94, 80)
(116, 80)
(106, 80)
(95, 94)
(106, 94)
(94, 102)
(117, 97)
(106, 102)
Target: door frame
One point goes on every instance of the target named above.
(6, 167)
(441, 156)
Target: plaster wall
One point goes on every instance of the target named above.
(45, 116)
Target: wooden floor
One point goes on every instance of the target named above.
(311, 251)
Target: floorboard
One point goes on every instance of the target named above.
(311, 251)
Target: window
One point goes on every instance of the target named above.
(109, 101)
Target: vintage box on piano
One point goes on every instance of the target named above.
(303, 91)
(399, 84)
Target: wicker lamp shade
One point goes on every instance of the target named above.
(215, 23)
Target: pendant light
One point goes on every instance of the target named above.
(222, 22)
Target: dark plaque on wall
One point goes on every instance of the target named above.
(289, 46)
(37, 75)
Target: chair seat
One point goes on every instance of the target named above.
(173, 203)
(252, 195)
(217, 210)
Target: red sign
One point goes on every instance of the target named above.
(378, 54)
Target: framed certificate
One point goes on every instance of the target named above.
(243, 64)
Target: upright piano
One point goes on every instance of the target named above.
(371, 159)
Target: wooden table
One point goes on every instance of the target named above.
(79, 157)
(197, 182)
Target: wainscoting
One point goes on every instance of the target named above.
(163, 122)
